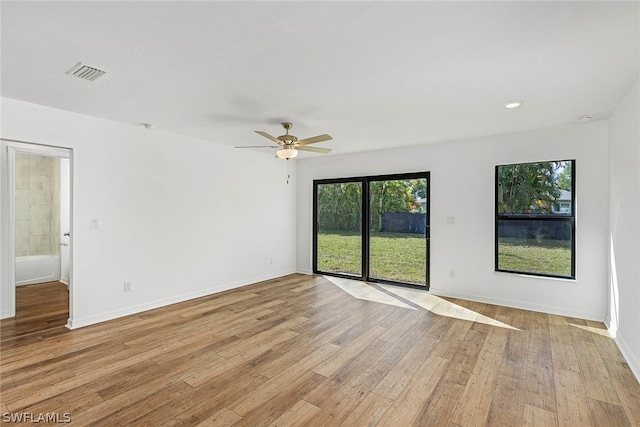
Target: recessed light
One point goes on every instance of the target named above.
(147, 125)
(513, 104)
(584, 119)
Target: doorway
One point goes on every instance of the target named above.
(36, 206)
(373, 228)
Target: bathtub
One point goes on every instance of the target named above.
(37, 269)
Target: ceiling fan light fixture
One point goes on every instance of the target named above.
(287, 153)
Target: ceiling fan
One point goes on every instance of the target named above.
(289, 145)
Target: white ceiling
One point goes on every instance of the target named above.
(371, 74)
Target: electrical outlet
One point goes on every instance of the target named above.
(127, 287)
(452, 274)
(271, 260)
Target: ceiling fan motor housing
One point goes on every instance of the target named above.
(286, 138)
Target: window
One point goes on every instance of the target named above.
(535, 218)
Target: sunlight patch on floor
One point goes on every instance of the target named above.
(442, 307)
(361, 290)
(598, 331)
(420, 298)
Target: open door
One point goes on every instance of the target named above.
(17, 212)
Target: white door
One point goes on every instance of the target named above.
(65, 223)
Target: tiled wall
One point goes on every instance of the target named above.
(37, 205)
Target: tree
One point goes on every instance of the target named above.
(528, 187)
(390, 196)
(339, 206)
(564, 176)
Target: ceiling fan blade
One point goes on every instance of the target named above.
(266, 135)
(258, 146)
(314, 139)
(314, 149)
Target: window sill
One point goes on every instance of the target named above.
(536, 276)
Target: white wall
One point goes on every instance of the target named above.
(179, 217)
(624, 218)
(462, 185)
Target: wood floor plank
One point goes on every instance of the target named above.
(223, 418)
(369, 411)
(536, 417)
(475, 402)
(298, 350)
(259, 412)
(595, 375)
(464, 359)
(605, 413)
(299, 414)
(143, 407)
(437, 409)
(284, 379)
(351, 350)
(203, 402)
(340, 395)
(507, 402)
(538, 384)
(514, 357)
(628, 390)
(392, 385)
(408, 406)
(573, 403)
(292, 351)
(563, 349)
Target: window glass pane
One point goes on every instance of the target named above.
(339, 215)
(542, 188)
(398, 226)
(535, 246)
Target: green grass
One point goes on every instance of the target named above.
(544, 256)
(394, 256)
(401, 257)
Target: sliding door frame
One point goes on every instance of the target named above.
(365, 225)
(316, 183)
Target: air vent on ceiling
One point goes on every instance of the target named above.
(86, 72)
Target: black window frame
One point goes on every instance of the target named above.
(365, 213)
(544, 217)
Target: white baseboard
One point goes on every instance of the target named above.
(629, 356)
(64, 280)
(76, 323)
(598, 317)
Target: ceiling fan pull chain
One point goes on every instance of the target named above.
(288, 173)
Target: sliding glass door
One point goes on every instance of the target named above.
(373, 228)
(398, 230)
(339, 227)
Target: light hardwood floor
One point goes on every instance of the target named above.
(299, 350)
